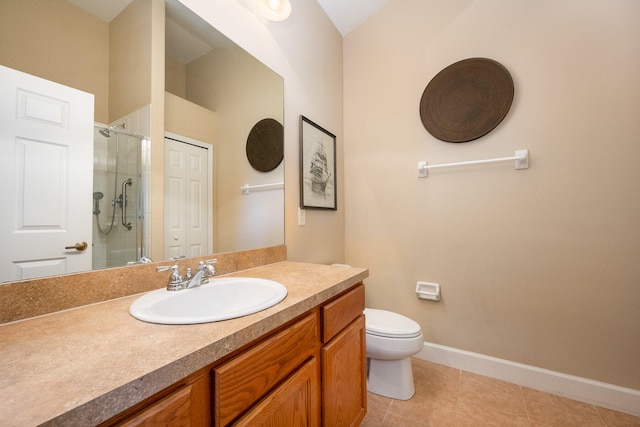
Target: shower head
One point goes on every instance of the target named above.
(107, 132)
(96, 201)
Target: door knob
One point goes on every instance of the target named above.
(80, 246)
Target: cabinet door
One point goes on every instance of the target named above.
(294, 403)
(189, 406)
(344, 383)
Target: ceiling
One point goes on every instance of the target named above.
(187, 38)
(348, 14)
(105, 10)
(345, 14)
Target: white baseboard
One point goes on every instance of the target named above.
(582, 389)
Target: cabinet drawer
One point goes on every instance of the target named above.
(242, 381)
(337, 314)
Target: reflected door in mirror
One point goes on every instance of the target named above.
(46, 137)
(187, 206)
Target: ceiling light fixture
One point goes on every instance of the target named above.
(274, 10)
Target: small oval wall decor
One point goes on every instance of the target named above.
(265, 145)
(466, 100)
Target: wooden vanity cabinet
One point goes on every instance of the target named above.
(310, 372)
(343, 356)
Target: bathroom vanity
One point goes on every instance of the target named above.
(300, 362)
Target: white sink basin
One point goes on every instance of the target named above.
(220, 299)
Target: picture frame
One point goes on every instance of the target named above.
(318, 183)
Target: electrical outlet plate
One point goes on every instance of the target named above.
(302, 217)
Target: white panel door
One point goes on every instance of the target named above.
(186, 199)
(46, 141)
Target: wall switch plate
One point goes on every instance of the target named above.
(302, 216)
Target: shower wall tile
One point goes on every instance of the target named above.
(138, 122)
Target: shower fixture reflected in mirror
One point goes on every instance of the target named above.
(96, 202)
(117, 155)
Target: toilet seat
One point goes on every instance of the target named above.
(388, 324)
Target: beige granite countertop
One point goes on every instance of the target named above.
(84, 365)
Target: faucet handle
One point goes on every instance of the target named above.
(211, 270)
(175, 280)
(202, 264)
(208, 269)
(207, 265)
(165, 268)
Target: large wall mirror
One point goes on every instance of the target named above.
(214, 95)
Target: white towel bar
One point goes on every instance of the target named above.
(521, 158)
(246, 188)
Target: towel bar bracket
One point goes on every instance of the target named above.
(522, 159)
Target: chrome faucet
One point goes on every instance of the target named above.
(203, 272)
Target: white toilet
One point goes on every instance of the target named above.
(391, 340)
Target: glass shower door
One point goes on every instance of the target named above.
(117, 225)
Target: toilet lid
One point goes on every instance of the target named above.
(389, 324)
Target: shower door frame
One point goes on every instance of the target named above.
(143, 196)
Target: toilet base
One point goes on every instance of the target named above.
(391, 378)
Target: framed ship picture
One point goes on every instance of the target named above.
(317, 167)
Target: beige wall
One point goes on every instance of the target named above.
(58, 41)
(539, 266)
(157, 91)
(237, 91)
(241, 91)
(130, 59)
(188, 119)
(175, 77)
(306, 50)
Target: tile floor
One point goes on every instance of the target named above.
(450, 397)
